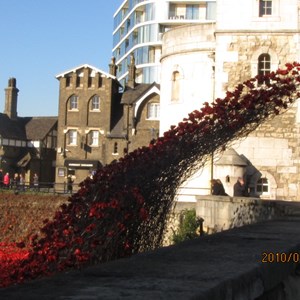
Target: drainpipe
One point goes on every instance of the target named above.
(127, 129)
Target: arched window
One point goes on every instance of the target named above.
(95, 103)
(265, 8)
(73, 102)
(264, 66)
(175, 86)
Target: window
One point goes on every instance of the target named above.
(94, 138)
(95, 103)
(153, 111)
(265, 7)
(61, 172)
(71, 172)
(172, 11)
(90, 81)
(122, 31)
(128, 24)
(262, 185)
(68, 81)
(115, 148)
(211, 10)
(72, 137)
(192, 12)
(175, 86)
(264, 66)
(100, 82)
(78, 81)
(73, 102)
(120, 69)
(135, 36)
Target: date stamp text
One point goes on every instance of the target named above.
(280, 257)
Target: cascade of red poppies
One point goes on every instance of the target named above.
(123, 209)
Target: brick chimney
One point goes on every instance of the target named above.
(131, 72)
(11, 99)
(112, 67)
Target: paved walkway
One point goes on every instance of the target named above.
(210, 267)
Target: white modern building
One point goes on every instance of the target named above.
(201, 62)
(139, 26)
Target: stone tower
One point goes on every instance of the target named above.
(11, 99)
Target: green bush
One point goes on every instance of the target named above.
(188, 226)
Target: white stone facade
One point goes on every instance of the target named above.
(206, 60)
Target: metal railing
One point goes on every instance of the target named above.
(41, 187)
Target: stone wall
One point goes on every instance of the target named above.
(273, 148)
(222, 213)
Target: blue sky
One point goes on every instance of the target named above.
(42, 38)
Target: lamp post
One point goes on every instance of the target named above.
(212, 56)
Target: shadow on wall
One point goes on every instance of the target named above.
(255, 211)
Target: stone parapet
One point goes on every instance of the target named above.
(222, 212)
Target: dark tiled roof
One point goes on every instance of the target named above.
(28, 128)
(13, 129)
(38, 127)
(117, 130)
(132, 95)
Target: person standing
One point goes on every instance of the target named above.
(6, 180)
(70, 184)
(35, 182)
(218, 188)
(15, 181)
(221, 188)
(21, 183)
(1, 178)
(239, 189)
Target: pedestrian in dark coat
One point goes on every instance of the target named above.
(239, 189)
(218, 188)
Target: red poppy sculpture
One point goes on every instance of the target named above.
(124, 208)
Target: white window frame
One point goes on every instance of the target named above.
(264, 6)
(260, 186)
(94, 138)
(273, 17)
(153, 111)
(95, 103)
(72, 134)
(73, 102)
(264, 65)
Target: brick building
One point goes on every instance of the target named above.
(27, 144)
(98, 124)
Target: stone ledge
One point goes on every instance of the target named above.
(225, 265)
